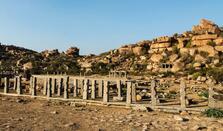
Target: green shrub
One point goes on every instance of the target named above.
(188, 45)
(196, 75)
(211, 43)
(216, 73)
(204, 94)
(175, 50)
(204, 54)
(217, 113)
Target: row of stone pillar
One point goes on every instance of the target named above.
(17, 84)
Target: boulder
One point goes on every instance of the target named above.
(72, 51)
(163, 39)
(205, 37)
(219, 41)
(173, 57)
(184, 50)
(219, 48)
(197, 64)
(28, 66)
(138, 50)
(156, 57)
(200, 42)
(207, 48)
(206, 26)
(177, 66)
(199, 58)
(125, 50)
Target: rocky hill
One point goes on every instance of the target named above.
(190, 53)
(193, 53)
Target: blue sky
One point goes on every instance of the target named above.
(96, 26)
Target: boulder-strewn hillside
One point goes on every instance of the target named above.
(25, 61)
(196, 53)
(192, 52)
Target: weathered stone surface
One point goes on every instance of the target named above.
(200, 42)
(138, 50)
(156, 57)
(209, 49)
(184, 50)
(219, 41)
(160, 45)
(173, 57)
(177, 66)
(163, 39)
(197, 64)
(206, 26)
(219, 48)
(199, 58)
(205, 37)
(125, 50)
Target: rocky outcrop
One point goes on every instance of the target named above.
(206, 26)
(72, 51)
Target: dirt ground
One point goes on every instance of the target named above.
(20, 113)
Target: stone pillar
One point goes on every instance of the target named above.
(75, 87)
(93, 89)
(54, 84)
(33, 87)
(15, 83)
(81, 85)
(86, 88)
(60, 85)
(66, 84)
(119, 88)
(134, 92)
(100, 88)
(6, 87)
(183, 94)
(49, 88)
(211, 100)
(19, 87)
(154, 96)
(106, 92)
(45, 86)
(129, 93)
(30, 84)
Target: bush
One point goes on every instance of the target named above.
(217, 113)
(211, 43)
(175, 50)
(196, 75)
(188, 45)
(216, 73)
(204, 94)
(204, 54)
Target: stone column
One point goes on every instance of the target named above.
(75, 87)
(15, 83)
(66, 84)
(154, 96)
(106, 92)
(54, 85)
(119, 88)
(133, 92)
(33, 87)
(6, 87)
(211, 101)
(19, 87)
(49, 88)
(45, 86)
(93, 89)
(129, 93)
(30, 84)
(86, 88)
(60, 85)
(100, 88)
(183, 94)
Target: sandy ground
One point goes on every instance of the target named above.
(20, 113)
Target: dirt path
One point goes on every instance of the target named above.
(32, 114)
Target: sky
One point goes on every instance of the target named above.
(96, 26)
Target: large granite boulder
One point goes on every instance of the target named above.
(206, 26)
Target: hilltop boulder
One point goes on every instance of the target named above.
(72, 51)
(206, 26)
